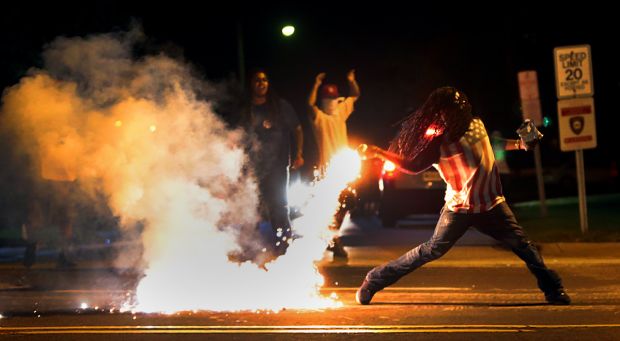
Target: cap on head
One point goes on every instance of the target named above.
(330, 91)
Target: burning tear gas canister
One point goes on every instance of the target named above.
(530, 136)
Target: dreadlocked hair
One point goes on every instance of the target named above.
(446, 111)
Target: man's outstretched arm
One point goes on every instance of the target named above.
(416, 165)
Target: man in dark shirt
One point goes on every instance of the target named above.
(272, 122)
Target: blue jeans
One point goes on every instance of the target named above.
(499, 223)
(273, 192)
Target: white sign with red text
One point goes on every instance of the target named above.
(577, 124)
(530, 101)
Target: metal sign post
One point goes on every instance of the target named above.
(530, 106)
(573, 74)
(581, 188)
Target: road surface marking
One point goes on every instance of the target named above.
(314, 329)
(494, 262)
(400, 289)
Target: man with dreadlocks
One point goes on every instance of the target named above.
(272, 122)
(444, 134)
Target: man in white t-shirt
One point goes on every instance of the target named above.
(329, 123)
(329, 120)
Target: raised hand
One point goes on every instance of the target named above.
(319, 78)
(351, 75)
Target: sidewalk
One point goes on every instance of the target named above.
(367, 256)
(100, 274)
(369, 244)
(370, 232)
(554, 254)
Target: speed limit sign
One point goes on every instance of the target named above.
(573, 71)
(573, 76)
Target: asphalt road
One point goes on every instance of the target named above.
(473, 293)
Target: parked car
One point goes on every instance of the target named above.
(394, 195)
(404, 194)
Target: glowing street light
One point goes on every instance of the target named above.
(288, 30)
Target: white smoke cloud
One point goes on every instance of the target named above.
(136, 130)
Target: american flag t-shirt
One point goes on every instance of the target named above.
(468, 168)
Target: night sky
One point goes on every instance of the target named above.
(400, 53)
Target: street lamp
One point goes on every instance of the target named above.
(288, 30)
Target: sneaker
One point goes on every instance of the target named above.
(364, 294)
(557, 297)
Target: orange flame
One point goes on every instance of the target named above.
(389, 166)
